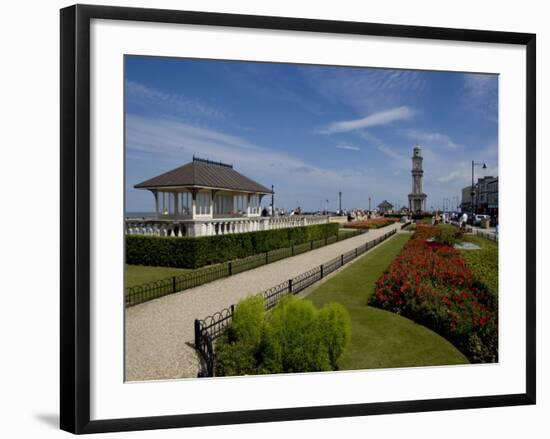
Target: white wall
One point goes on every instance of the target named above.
(29, 156)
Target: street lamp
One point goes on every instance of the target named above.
(473, 192)
(272, 201)
(340, 203)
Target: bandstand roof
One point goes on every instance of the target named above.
(385, 203)
(201, 173)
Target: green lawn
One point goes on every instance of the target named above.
(381, 339)
(484, 262)
(138, 274)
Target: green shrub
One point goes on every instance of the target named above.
(335, 328)
(187, 252)
(447, 234)
(293, 341)
(294, 337)
(238, 348)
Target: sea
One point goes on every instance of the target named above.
(140, 215)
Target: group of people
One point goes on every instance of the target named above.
(268, 211)
(357, 214)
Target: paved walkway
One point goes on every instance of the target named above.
(159, 333)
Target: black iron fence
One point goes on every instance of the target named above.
(155, 289)
(487, 235)
(210, 328)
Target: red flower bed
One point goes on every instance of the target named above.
(430, 283)
(371, 224)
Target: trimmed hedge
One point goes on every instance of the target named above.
(197, 252)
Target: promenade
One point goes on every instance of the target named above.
(159, 333)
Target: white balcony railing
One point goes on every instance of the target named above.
(217, 226)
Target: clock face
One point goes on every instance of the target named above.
(417, 165)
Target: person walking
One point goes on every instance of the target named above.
(463, 221)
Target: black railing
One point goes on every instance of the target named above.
(407, 224)
(487, 235)
(212, 327)
(155, 289)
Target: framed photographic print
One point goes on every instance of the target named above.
(305, 218)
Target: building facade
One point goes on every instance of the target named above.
(482, 198)
(417, 198)
(205, 198)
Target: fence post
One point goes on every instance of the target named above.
(197, 333)
(326, 240)
(232, 307)
(230, 267)
(173, 284)
(341, 259)
(311, 245)
(290, 285)
(292, 247)
(356, 253)
(321, 271)
(266, 258)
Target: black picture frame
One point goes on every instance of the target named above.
(75, 217)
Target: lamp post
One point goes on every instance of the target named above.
(473, 192)
(272, 201)
(340, 203)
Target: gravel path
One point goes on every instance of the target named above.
(159, 333)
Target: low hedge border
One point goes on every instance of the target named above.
(159, 288)
(184, 252)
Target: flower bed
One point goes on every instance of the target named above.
(430, 283)
(371, 224)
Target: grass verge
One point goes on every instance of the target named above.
(139, 274)
(381, 339)
(483, 262)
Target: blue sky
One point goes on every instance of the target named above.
(311, 131)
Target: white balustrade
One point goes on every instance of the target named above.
(222, 226)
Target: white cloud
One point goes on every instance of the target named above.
(481, 95)
(479, 85)
(369, 137)
(174, 142)
(451, 176)
(431, 138)
(146, 96)
(366, 89)
(374, 119)
(390, 152)
(348, 147)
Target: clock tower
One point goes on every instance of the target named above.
(417, 199)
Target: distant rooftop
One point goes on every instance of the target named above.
(204, 173)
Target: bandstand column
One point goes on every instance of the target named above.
(176, 204)
(194, 203)
(156, 194)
